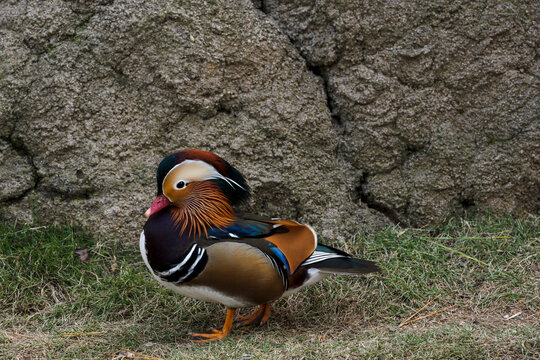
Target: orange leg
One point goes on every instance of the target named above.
(266, 315)
(217, 334)
(259, 317)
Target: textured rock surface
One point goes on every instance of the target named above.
(97, 94)
(341, 114)
(436, 103)
(18, 177)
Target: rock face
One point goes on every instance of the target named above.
(342, 114)
(436, 103)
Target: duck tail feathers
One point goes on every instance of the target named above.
(333, 261)
(346, 266)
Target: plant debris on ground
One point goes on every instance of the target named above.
(467, 289)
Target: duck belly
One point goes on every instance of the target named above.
(236, 275)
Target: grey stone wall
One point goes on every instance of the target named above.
(343, 114)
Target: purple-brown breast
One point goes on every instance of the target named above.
(164, 244)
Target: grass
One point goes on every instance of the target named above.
(488, 269)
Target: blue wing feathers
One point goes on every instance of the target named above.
(281, 256)
(243, 229)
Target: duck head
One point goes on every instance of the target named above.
(198, 186)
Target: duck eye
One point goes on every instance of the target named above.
(180, 185)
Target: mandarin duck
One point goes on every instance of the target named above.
(196, 244)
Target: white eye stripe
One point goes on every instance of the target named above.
(226, 179)
(199, 171)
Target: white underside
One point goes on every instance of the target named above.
(314, 276)
(203, 293)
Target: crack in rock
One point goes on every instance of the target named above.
(401, 89)
(17, 163)
(337, 121)
(367, 198)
